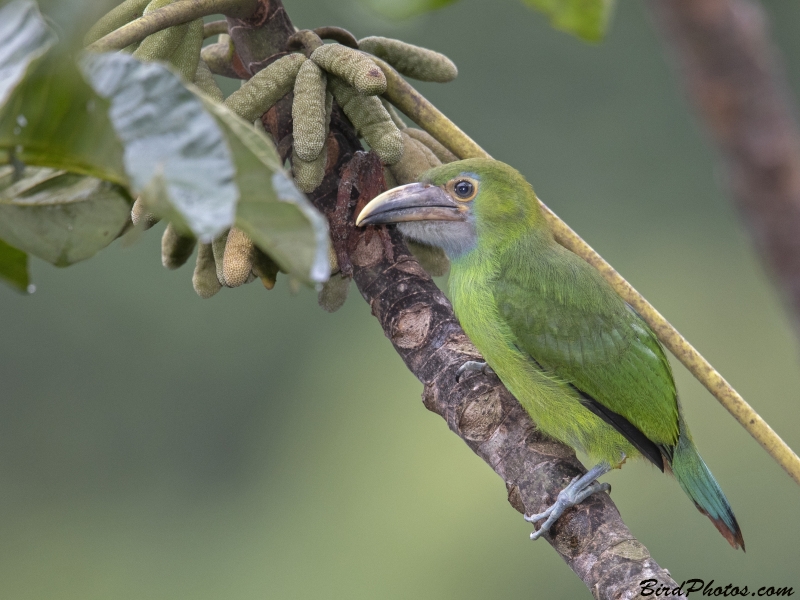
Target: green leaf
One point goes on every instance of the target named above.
(137, 125)
(60, 217)
(25, 37)
(277, 217)
(51, 117)
(14, 267)
(587, 19)
(404, 9)
(170, 140)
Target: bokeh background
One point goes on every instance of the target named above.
(154, 445)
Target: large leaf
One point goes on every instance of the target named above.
(58, 216)
(137, 125)
(51, 117)
(276, 216)
(25, 37)
(14, 267)
(588, 19)
(170, 140)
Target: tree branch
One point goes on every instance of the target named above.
(734, 78)
(419, 321)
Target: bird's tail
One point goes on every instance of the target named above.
(699, 484)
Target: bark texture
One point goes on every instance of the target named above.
(419, 321)
(735, 79)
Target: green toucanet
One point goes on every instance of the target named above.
(581, 361)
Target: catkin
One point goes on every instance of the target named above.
(237, 264)
(176, 248)
(309, 114)
(417, 158)
(396, 119)
(205, 280)
(265, 268)
(219, 57)
(187, 55)
(371, 120)
(389, 178)
(265, 88)
(204, 80)
(353, 66)
(412, 61)
(309, 174)
(334, 292)
(218, 247)
(442, 153)
(161, 44)
(114, 19)
(140, 215)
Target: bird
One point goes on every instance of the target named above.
(581, 361)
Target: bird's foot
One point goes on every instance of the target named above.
(473, 365)
(577, 491)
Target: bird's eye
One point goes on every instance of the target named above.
(464, 189)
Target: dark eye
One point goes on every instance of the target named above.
(463, 189)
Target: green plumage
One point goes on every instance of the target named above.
(583, 364)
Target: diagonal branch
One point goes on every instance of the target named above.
(419, 321)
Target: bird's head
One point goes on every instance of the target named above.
(458, 205)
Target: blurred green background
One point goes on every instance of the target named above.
(153, 445)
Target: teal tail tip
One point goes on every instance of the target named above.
(699, 484)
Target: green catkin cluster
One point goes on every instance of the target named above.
(265, 88)
(354, 67)
(176, 248)
(309, 111)
(205, 280)
(442, 153)
(237, 264)
(204, 80)
(161, 44)
(116, 18)
(412, 61)
(371, 120)
(141, 216)
(231, 260)
(309, 174)
(417, 158)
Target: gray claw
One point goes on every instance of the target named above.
(472, 366)
(576, 492)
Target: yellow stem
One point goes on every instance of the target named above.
(400, 93)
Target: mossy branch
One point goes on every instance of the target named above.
(416, 107)
(173, 14)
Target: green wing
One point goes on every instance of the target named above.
(573, 324)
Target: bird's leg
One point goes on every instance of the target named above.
(577, 491)
(473, 365)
